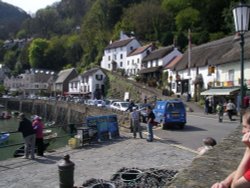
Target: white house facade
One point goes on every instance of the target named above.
(89, 84)
(134, 59)
(216, 63)
(115, 54)
(32, 82)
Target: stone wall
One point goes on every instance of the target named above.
(214, 165)
(63, 113)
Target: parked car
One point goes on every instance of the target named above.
(122, 106)
(100, 103)
(170, 113)
(90, 102)
(108, 102)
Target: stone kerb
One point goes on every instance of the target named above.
(213, 166)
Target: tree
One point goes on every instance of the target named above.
(37, 54)
(10, 59)
(187, 18)
(146, 23)
(47, 21)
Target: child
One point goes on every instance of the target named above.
(209, 143)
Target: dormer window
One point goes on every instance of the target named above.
(131, 48)
(98, 77)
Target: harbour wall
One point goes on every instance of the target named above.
(63, 113)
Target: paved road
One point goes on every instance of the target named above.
(98, 161)
(198, 127)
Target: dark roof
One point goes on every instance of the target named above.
(217, 52)
(148, 70)
(139, 50)
(119, 43)
(90, 72)
(76, 79)
(159, 53)
(173, 62)
(63, 75)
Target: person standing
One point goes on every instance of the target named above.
(25, 127)
(38, 127)
(220, 111)
(206, 105)
(150, 124)
(230, 109)
(135, 120)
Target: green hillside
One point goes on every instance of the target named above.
(74, 33)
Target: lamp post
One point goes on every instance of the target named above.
(241, 20)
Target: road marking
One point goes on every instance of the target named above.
(185, 148)
(175, 145)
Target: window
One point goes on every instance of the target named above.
(98, 77)
(151, 63)
(109, 66)
(121, 64)
(231, 75)
(156, 63)
(97, 86)
(131, 48)
(121, 56)
(128, 63)
(133, 62)
(87, 79)
(138, 60)
(114, 56)
(109, 57)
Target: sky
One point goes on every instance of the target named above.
(30, 6)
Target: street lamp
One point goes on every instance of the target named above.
(241, 20)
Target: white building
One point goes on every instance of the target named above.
(90, 84)
(152, 65)
(115, 54)
(134, 59)
(32, 82)
(213, 65)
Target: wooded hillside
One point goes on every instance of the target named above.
(74, 33)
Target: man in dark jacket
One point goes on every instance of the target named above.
(25, 127)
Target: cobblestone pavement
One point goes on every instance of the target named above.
(98, 161)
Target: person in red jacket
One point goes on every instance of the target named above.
(38, 127)
(241, 176)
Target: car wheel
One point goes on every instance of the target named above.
(165, 126)
(182, 126)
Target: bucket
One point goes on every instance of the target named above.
(131, 175)
(74, 143)
(104, 185)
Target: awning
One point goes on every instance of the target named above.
(220, 91)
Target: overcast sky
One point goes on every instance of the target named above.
(30, 6)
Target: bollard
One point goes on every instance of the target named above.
(66, 172)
